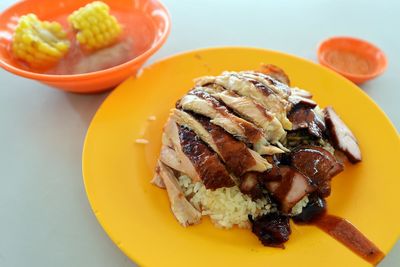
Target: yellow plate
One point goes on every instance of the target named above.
(137, 217)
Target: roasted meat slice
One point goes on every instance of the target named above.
(305, 118)
(184, 212)
(341, 136)
(202, 103)
(275, 72)
(317, 164)
(272, 229)
(287, 186)
(224, 144)
(207, 163)
(174, 153)
(301, 102)
(250, 185)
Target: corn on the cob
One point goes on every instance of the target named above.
(96, 27)
(41, 44)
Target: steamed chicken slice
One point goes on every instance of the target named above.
(200, 102)
(184, 212)
(341, 135)
(254, 113)
(268, 84)
(233, 81)
(225, 145)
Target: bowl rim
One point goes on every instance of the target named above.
(370, 75)
(85, 76)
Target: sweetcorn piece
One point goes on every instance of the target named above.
(41, 44)
(96, 27)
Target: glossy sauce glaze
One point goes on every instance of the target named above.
(344, 232)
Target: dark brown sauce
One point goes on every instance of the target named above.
(344, 232)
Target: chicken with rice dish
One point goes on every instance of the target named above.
(247, 149)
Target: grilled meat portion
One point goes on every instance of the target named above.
(209, 167)
(301, 102)
(272, 230)
(250, 185)
(305, 118)
(224, 144)
(287, 186)
(235, 130)
(317, 164)
(174, 153)
(341, 136)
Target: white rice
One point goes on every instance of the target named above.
(226, 207)
(298, 208)
(141, 141)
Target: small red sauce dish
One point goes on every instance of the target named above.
(145, 22)
(355, 59)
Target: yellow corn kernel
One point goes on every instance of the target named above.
(41, 44)
(95, 27)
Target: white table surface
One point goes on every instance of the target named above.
(45, 217)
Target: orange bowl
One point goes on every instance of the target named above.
(149, 30)
(355, 59)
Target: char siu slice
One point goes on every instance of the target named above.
(341, 136)
(287, 186)
(304, 118)
(317, 164)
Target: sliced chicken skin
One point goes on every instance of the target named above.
(305, 118)
(317, 164)
(287, 186)
(341, 136)
(184, 212)
(225, 145)
(251, 111)
(269, 83)
(275, 72)
(204, 104)
(233, 81)
(206, 162)
(171, 139)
